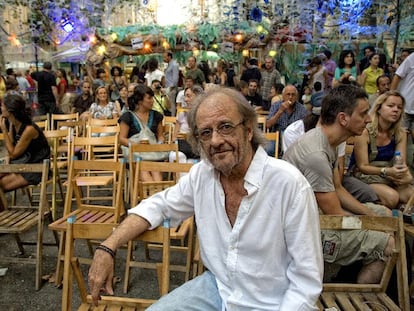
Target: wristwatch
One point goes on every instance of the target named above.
(383, 173)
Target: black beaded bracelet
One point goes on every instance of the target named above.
(107, 250)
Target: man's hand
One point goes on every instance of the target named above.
(100, 275)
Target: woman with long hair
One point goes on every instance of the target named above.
(140, 112)
(24, 142)
(346, 72)
(374, 151)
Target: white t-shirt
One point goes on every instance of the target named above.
(155, 75)
(406, 85)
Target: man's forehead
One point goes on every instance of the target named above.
(217, 105)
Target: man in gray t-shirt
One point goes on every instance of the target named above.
(344, 114)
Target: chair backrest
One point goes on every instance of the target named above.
(391, 225)
(44, 117)
(274, 137)
(102, 122)
(160, 235)
(135, 149)
(77, 127)
(87, 173)
(144, 189)
(55, 117)
(105, 130)
(44, 124)
(88, 146)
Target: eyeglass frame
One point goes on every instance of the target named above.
(231, 128)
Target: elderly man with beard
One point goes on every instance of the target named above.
(261, 247)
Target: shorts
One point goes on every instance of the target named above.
(408, 122)
(344, 247)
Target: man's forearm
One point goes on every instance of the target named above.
(273, 120)
(129, 229)
(349, 203)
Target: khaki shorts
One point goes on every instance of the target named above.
(344, 247)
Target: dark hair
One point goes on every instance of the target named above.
(10, 72)
(254, 81)
(342, 98)
(16, 105)
(152, 64)
(99, 71)
(116, 68)
(327, 53)
(63, 72)
(372, 55)
(310, 121)
(170, 54)
(316, 61)
(47, 65)
(369, 47)
(317, 86)
(246, 111)
(11, 83)
(341, 61)
(253, 61)
(139, 93)
(278, 87)
(381, 77)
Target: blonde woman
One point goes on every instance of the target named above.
(375, 148)
(102, 108)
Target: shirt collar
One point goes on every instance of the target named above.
(254, 174)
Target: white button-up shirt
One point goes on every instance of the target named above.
(271, 259)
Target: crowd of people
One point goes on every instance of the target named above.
(231, 191)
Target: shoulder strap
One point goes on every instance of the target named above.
(373, 144)
(136, 120)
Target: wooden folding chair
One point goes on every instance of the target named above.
(273, 137)
(101, 231)
(59, 162)
(350, 297)
(40, 120)
(108, 209)
(133, 151)
(17, 220)
(185, 231)
(56, 117)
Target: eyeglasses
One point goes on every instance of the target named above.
(223, 129)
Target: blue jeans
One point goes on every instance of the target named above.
(199, 294)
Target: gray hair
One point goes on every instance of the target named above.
(247, 112)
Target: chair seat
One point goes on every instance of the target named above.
(84, 216)
(348, 301)
(18, 219)
(116, 303)
(94, 180)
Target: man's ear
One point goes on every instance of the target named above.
(343, 119)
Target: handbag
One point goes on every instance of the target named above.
(144, 134)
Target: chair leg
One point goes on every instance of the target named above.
(60, 257)
(19, 244)
(130, 249)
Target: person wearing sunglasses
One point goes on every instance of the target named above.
(257, 219)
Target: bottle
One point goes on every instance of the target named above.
(398, 160)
